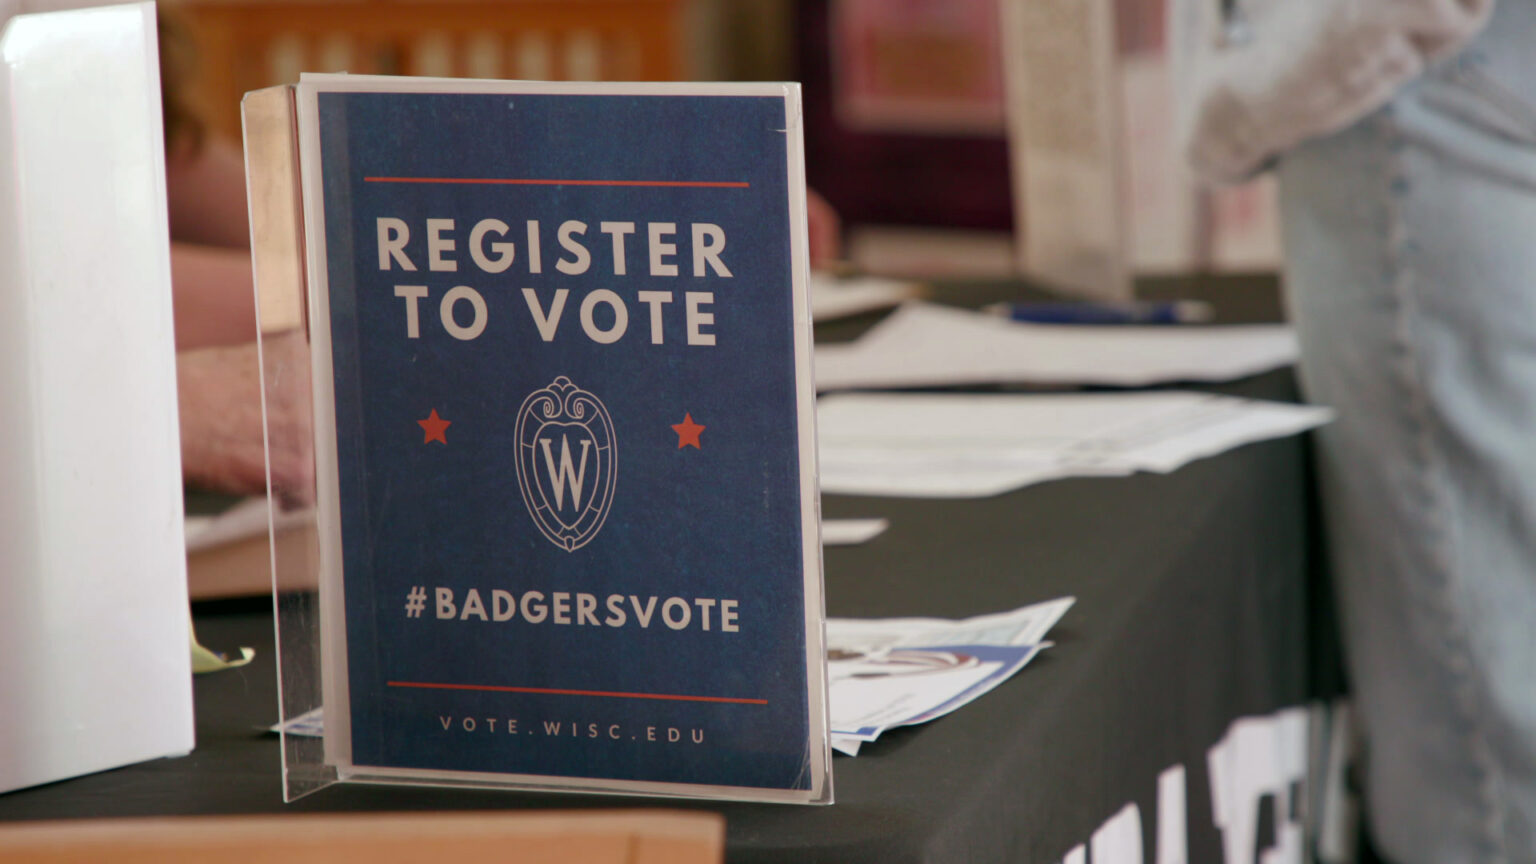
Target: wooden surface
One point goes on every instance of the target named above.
(631, 837)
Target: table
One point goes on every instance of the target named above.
(1195, 592)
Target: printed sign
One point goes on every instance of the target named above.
(571, 513)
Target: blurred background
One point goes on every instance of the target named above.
(956, 138)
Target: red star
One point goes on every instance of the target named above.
(435, 426)
(688, 433)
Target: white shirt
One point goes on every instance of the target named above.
(1276, 72)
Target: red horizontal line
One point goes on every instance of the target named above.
(669, 697)
(495, 181)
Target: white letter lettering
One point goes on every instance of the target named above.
(473, 605)
(503, 605)
(505, 252)
(655, 299)
(659, 249)
(582, 259)
(546, 323)
(618, 230)
(708, 243)
(437, 244)
(393, 235)
(476, 302)
(696, 319)
(676, 603)
(411, 294)
(620, 317)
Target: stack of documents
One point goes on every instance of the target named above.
(956, 445)
(851, 532)
(925, 345)
(834, 297)
(246, 518)
(891, 672)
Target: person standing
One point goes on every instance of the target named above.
(1403, 133)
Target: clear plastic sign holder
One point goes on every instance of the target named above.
(301, 587)
(281, 300)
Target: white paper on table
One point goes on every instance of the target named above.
(908, 686)
(310, 724)
(887, 672)
(851, 532)
(834, 297)
(875, 474)
(245, 519)
(872, 700)
(969, 445)
(926, 345)
(846, 744)
(1026, 625)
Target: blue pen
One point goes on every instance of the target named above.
(1105, 311)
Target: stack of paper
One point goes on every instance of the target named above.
(851, 532)
(968, 445)
(833, 297)
(924, 345)
(891, 672)
(246, 518)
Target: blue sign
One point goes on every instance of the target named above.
(569, 407)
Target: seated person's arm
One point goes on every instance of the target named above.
(221, 424)
(212, 295)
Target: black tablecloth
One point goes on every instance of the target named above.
(1193, 591)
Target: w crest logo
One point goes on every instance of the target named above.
(566, 462)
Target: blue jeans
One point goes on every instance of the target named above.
(1411, 267)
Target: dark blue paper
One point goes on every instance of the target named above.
(428, 508)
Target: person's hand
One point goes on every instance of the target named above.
(221, 422)
(825, 229)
